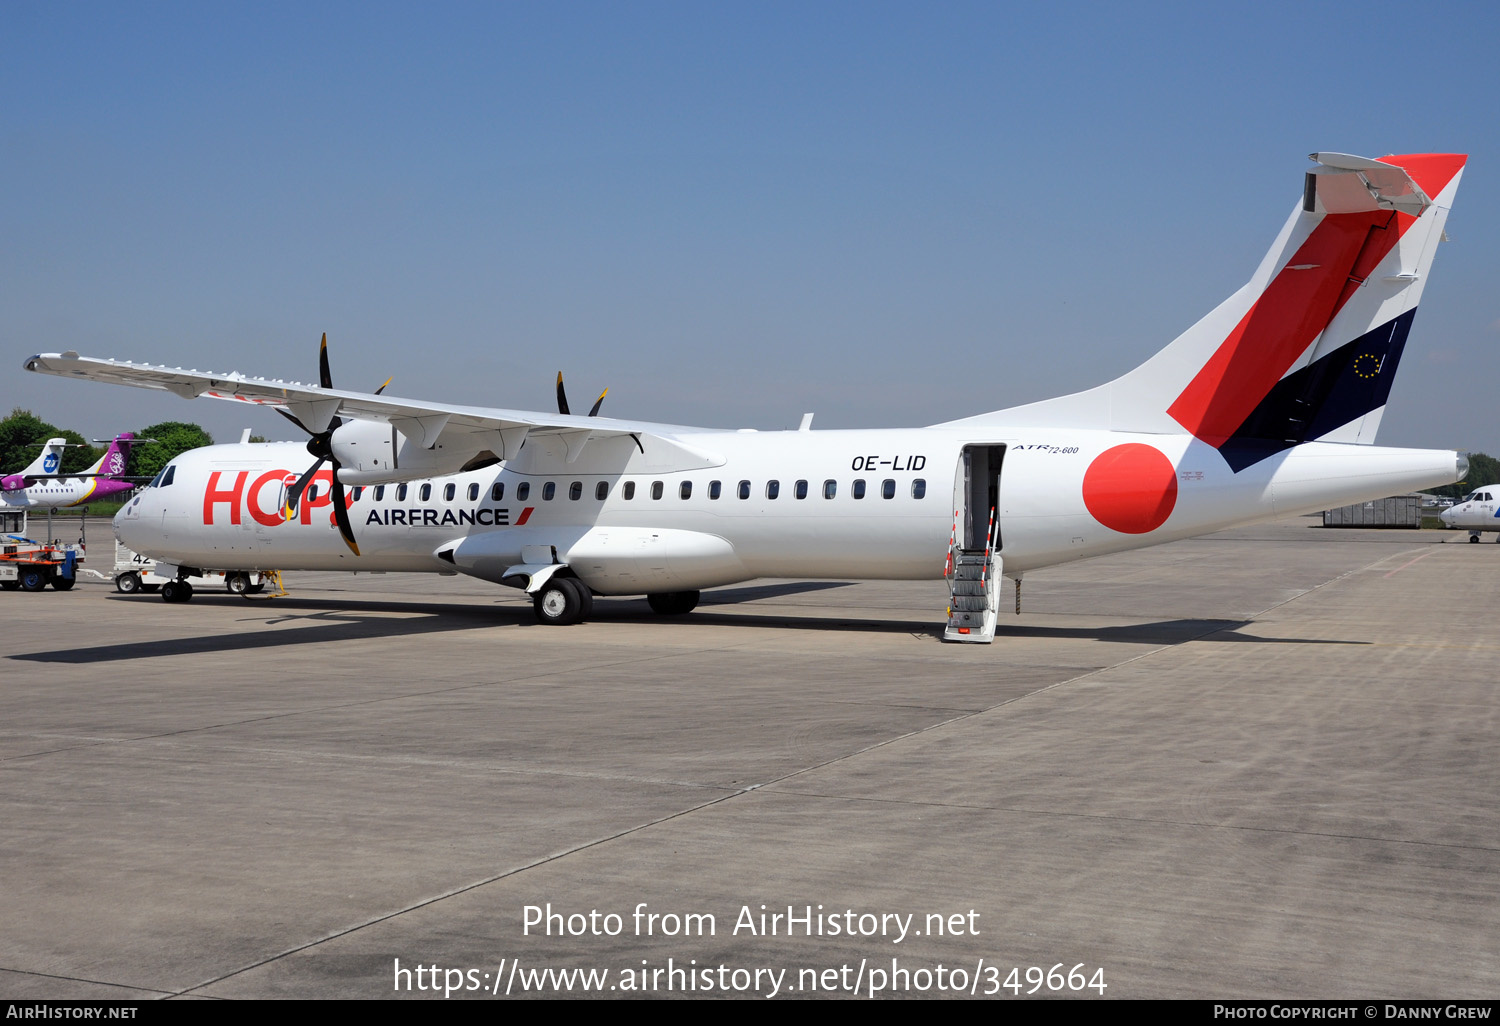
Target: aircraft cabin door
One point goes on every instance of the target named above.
(981, 493)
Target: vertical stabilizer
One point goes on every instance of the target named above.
(1308, 348)
(115, 458)
(48, 461)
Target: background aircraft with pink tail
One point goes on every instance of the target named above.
(40, 485)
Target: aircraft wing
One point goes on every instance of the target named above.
(315, 407)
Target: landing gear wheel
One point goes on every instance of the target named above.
(237, 583)
(176, 591)
(673, 603)
(63, 583)
(32, 579)
(128, 583)
(1473, 538)
(561, 601)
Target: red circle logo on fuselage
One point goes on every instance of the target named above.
(1130, 488)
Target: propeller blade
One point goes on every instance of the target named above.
(562, 397)
(294, 494)
(341, 512)
(324, 377)
(598, 403)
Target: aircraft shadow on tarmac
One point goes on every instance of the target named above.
(362, 620)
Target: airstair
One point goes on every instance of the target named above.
(973, 577)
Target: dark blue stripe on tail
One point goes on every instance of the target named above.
(1326, 394)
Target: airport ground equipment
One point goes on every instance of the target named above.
(28, 565)
(134, 573)
(973, 587)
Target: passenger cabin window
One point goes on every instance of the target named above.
(859, 488)
(380, 493)
(474, 491)
(773, 489)
(523, 490)
(426, 492)
(888, 489)
(601, 490)
(830, 489)
(449, 491)
(575, 491)
(548, 490)
(714, 489)
(656, 489)
(629, 491)
(497, 491)
(744, 491)
(801, 490)
(685, 490)
(919, 488)
(358, 491)
(401, 493)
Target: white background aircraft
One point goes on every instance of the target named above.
(1267, 406)
(40, 485)
(1478, 511)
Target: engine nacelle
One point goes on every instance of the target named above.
(371, 452)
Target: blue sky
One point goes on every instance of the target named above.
(889, 214)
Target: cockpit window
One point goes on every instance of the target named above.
(165, 477)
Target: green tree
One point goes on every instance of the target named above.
(21, 435)
(172, 439)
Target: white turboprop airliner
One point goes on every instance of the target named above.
(1268, 406)
(1478, 511)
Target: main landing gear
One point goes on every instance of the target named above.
(563, 600)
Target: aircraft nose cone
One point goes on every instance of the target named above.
(126, 521)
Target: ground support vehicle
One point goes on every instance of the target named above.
(135, 573)
(26, 565)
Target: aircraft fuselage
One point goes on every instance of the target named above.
(724, 507)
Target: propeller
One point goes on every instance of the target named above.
(562, 399)
(320, 445)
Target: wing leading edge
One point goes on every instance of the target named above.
(425, 425)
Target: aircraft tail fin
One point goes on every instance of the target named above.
(115, 458)
(1308, 348)
(48, 461)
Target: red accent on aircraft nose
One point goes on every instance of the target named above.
(1130, 488)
